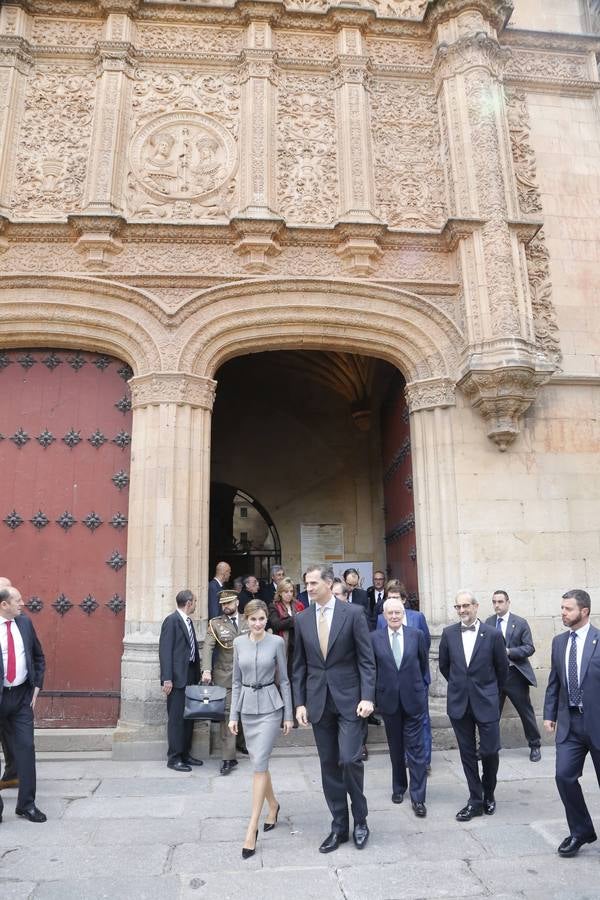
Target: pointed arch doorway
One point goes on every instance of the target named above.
(242, 532)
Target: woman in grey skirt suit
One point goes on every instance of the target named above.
(259, 660)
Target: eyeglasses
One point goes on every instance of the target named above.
(459, 606)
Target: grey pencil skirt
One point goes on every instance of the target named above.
(261, 731)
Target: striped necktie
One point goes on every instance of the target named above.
(192, 640)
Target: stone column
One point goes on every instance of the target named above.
(168, 540)
(15, 64)
(482, 191)
(357, 187)
(105, 178)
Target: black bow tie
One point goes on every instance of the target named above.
(468, 628)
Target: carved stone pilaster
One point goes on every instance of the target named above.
(172, 387)
(258, 77)
(16, 62)
(97, 238)
(115, 57)
(355, 159)
(258, 243)
(429, 393)
(502, 394)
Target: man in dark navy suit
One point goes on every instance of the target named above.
(376, 595)
(355, 593)
(401, 698)
(519, 647)
(572, 710)
(179, 666)
(215, 586)
(22, 667)
(334, 687)
(473, 662)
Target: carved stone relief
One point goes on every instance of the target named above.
(65, 32)
(304, 45)
(396, 9)
(531, 64)
(406, 147)
(183, 154)
(389, 52)
(530, 203)
(306, 150)
(189, 38)
(54, 142)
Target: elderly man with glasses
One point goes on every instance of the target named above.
(473, 662)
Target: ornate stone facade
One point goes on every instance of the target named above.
(179, 178)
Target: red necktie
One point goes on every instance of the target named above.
(11, 666)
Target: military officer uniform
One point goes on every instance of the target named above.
(217, 658)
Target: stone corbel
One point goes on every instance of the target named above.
(496, 12)
(359, 246)
(97, 238)
(456, 230)
(502, 393)
(258, 241)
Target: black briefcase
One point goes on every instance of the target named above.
(205, 702)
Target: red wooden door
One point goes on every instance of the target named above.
(65, 426)
(398, 488)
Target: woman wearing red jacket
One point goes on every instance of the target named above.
(284, 610)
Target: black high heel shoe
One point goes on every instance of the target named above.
(246, 853)
(269, 826)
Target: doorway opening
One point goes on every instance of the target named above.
(241, 533)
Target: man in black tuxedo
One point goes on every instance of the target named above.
(334, 687)
(401, 698)
(376, 596)
(472, 659)
(572, 710)
(215, 586)
(519, 647)
(22, 667)
(179, 666)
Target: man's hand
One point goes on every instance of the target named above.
(167, 687)
(301, 716)
(549, 726)
(36, 691)
(233, 727)
(365, 709)
(206, 677)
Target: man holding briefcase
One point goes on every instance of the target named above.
(179, 666)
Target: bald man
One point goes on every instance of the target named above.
(9, 778)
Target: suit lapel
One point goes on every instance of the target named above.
(564, 640)
(312, 626)
(340, 612)
(589, 648)
(510, 627)
(407, 638)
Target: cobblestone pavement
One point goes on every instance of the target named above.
(137, 831)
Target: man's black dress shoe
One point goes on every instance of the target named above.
(468, 812)
(225, 767)
(333, 841)
(489, 806)
(179, 766)
(33, 814)
(571, 845)
(535, 754)
(361, 835)
(192, 761)
(420, 810)
(365, 753)
(397, 798)
(374, 720)
(233, 763)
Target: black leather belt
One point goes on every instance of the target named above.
(258, 687)
(576, 709)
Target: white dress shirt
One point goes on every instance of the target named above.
(20, 657)
(469, 639)
(581, 633)
(328, 607)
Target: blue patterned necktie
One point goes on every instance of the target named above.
(396, 649)
(192, 641)
(573, 681)
(499, 624)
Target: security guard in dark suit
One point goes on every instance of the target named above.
(217, 664)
